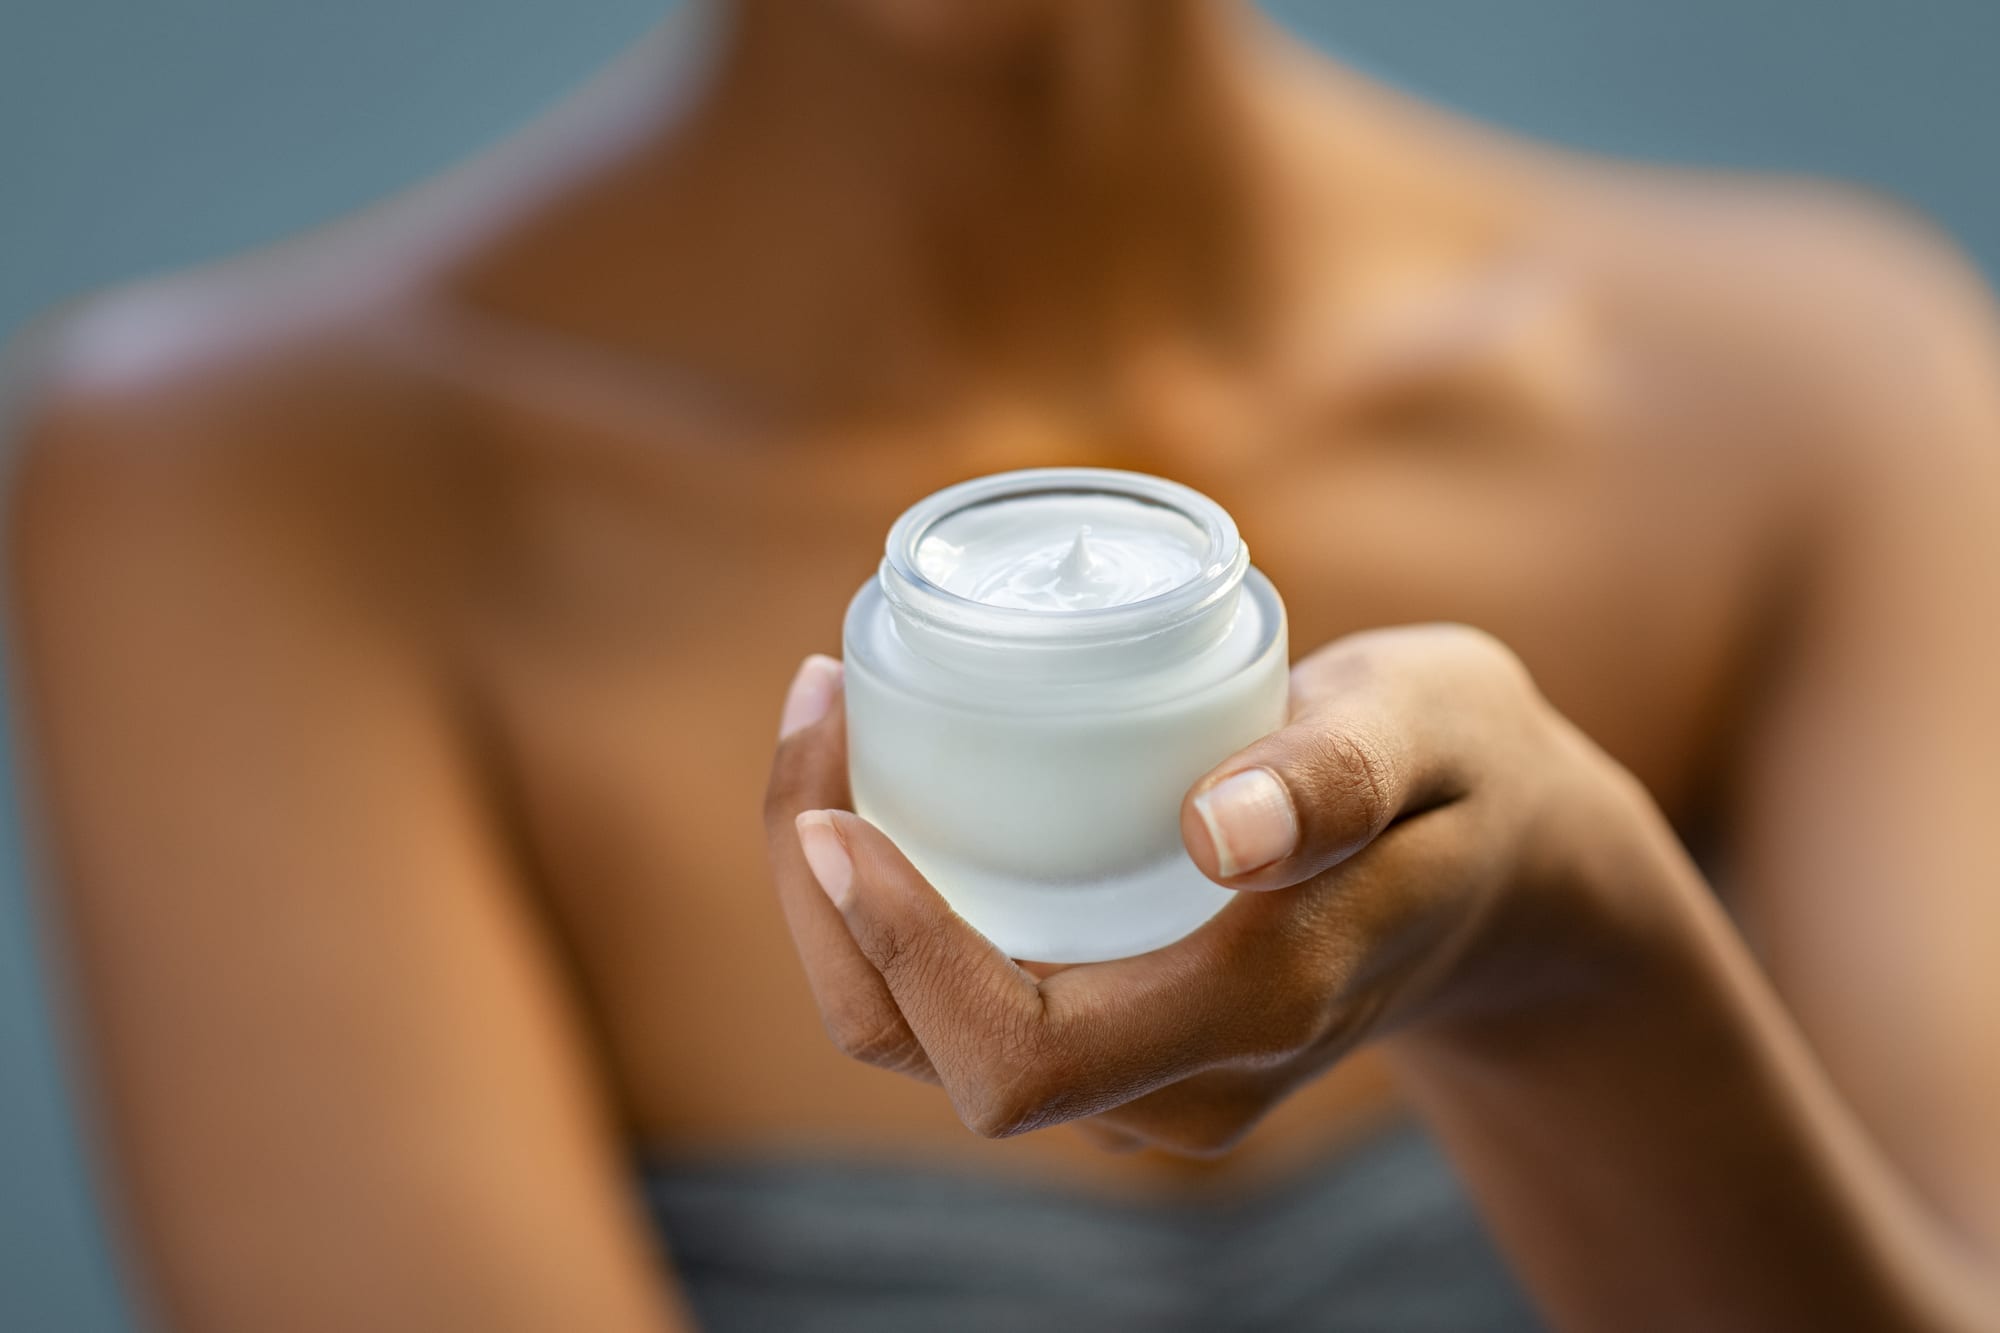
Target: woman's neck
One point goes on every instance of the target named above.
(1099, 161)
(837, 205)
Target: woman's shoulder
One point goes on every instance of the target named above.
(247, 427)
(261, 352)
(1852, 321)
(269, 402)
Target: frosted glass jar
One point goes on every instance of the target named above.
(1044, 664)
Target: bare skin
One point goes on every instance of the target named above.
(401, 615)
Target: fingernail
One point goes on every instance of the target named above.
(826, 855)
(1250, 818)
(811, 692)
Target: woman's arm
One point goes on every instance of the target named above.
(1867, 848)
(1667, 1154)
(343, 1082)
(1665, 1150)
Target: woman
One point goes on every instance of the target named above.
(402, 612)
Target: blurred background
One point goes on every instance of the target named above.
(137, 135)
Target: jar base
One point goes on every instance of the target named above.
(1089, 922)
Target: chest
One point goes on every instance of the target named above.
(645, 630)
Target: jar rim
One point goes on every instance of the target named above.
(940, 610)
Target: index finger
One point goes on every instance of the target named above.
(809, 772)
(1016, 1053)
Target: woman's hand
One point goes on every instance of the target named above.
(1425, 839)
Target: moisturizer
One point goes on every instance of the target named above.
(1061, 552)
(1044, 664)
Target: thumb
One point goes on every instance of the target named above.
(1304, 798)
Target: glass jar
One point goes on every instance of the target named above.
(1045, 663)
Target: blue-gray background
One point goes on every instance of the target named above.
(137, 135)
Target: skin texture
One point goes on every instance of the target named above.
(401, 613)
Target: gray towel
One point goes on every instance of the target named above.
(1381, 1238)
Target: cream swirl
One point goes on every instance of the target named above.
(1062, 552)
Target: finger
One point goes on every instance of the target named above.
(1010, 1060)
(1368, 743)
(815, 688)
(810, 772)
(978, 1016)
(1015, 1054)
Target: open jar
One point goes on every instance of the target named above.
(1045, 663)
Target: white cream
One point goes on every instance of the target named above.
(1062, 552)
(1045, 663)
